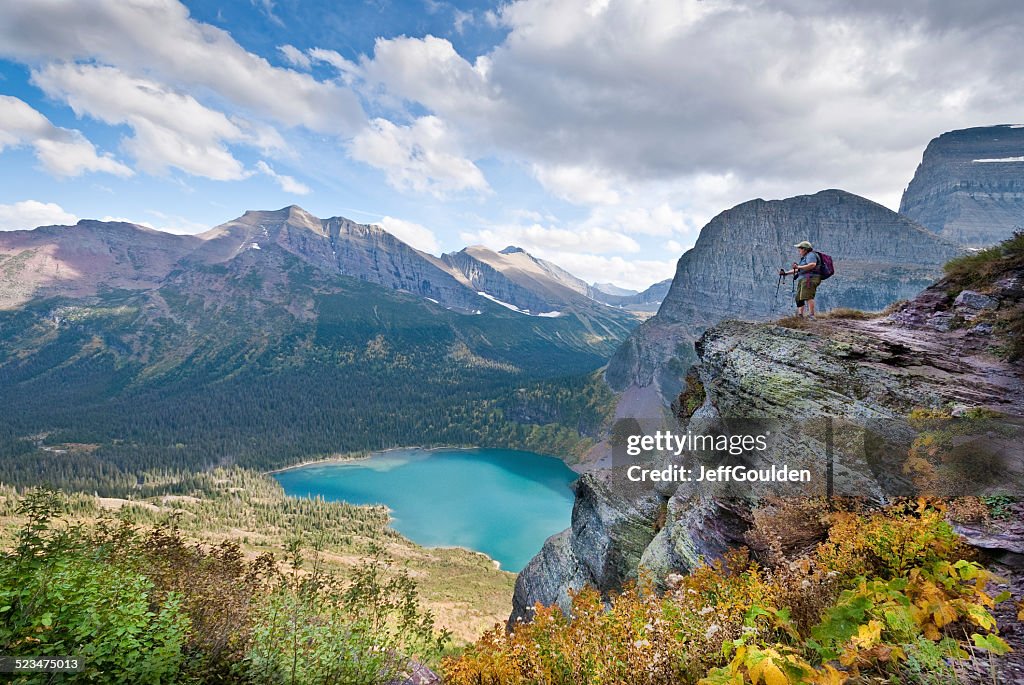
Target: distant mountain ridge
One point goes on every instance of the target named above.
(78, 260)
(969, 187)
(645, 302)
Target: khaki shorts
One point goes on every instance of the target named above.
(807, 287)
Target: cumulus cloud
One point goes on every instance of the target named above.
(420, 237)
(29, 214)
(287, 183)
(636, 274)
(423, 157)
(170, 129)
(794, 96)
(159, 40)
(61, 151)
(591, 252)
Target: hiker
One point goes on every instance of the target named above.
(805, 271)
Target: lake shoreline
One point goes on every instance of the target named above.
(517, 490)
(345, 459)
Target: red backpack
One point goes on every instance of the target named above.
(825, 268)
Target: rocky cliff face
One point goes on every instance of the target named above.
(969, 187)
(731, 271)
(948, 349)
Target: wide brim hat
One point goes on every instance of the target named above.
(804, 244)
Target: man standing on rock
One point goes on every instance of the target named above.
(805, 271)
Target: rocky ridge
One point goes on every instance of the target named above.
(969, 187)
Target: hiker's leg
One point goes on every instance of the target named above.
(799, 307)
(810, 306)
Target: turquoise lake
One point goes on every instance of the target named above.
(503, 503)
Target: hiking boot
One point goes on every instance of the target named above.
(811, 318)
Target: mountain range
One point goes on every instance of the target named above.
(279, 335)
(78, 260)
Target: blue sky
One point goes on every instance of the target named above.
(601, 134)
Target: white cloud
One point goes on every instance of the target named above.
(537, 238)
(590, 252)
(423, 157)
(577, 184)
(267, 7)
(170, 129)
(295, 57)
(420, 237)
(627, 273)
(794, 96)
(158, 39)
(29, 214)
(460, 20)
(61, 151)
(287, 183)
(659, 220)
(429, 71)
(173, 223)
(637, 274)
(349, 71)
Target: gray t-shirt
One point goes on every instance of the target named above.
(809, 258)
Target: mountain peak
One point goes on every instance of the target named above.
(285, 213)
(969, 187)
(512, 249)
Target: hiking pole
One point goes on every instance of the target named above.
(775, 302)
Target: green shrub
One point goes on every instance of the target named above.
(150, 606)
(59, 597)
(985, 266)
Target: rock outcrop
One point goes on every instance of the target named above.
(969, 187)
(731, 272)
(863, 371)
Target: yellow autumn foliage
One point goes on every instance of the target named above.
(878, 583)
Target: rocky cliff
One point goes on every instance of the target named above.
(731, 271)
(969, 186)
(954, 348)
